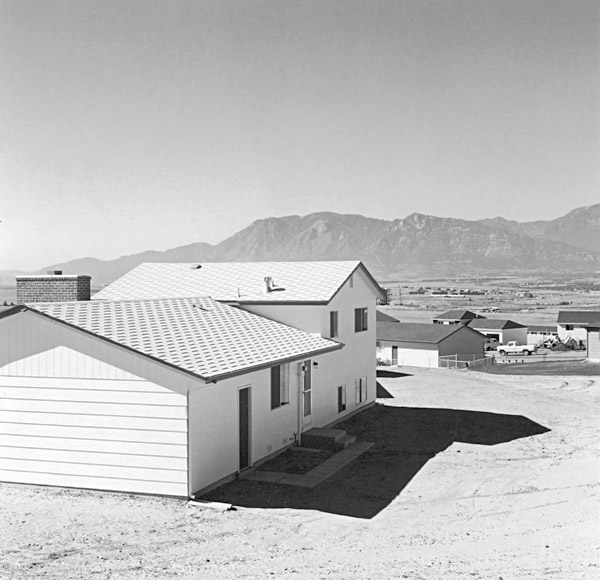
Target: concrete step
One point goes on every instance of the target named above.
(343, 442)
(323, 438)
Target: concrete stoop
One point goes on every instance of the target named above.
(316, 475)
(321, 438)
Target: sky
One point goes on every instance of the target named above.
(134, 125)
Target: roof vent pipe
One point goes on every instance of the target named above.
(54, 272)
(269, 283)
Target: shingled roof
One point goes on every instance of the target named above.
(494, 324)
(239, 282)
(583, 317)
(198, 335)
(458, 315)
(419, 332)
(383, 317)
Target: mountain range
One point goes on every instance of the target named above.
(416, 245)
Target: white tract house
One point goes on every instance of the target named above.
(575, 323)
(171, 395)
(152, 396)
(422, 345)
(334, 300)
(502, 330)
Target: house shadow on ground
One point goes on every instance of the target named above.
(382, 392)
(405, 439)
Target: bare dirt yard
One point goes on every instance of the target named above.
(472, 475)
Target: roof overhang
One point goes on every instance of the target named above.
(208, 378)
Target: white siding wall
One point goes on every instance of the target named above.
(412, 354)
(578, 332)
(343, 367)
(76, 411)
(593, 344)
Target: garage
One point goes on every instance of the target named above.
(76, 411)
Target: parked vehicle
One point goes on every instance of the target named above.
(513, 348)
(490, 344)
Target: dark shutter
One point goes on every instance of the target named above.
(275, 387)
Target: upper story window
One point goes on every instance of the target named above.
(360, 319)
(280, 386)
(568, 327)
(351, 281)
(333, 324)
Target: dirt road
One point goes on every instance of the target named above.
(472, 476)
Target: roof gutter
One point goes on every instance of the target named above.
(267, 365)
(207, 379)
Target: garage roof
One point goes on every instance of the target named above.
(419, 332)
(383, 317)
(579, 317)
(458, 315)
(497, 324)
(239, 282)
(197, 335)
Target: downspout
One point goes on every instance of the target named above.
(299, 383)
(189, 470)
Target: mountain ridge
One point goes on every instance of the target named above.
(418, 244)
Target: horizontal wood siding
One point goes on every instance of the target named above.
(78, 412)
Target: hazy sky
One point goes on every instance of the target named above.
(135, 125)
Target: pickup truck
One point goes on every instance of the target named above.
(513, 348)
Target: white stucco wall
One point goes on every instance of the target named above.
(214, 427)
(343, 367)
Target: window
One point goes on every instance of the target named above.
(341, 398)
(568, 327)
(333, 324)
(280, 386)
(360, 386)
(360, 319)
(351, 281)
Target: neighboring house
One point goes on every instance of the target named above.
(537, 333)
(384, 317)
(593, 340)
(575, 323)
(422, 345)
(501, 330)
(456, 317)
(155, 396)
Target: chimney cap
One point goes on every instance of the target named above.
(55, 272)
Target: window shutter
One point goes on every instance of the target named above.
(275, 387)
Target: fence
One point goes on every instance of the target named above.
(453, 362)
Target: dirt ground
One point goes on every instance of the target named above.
(471, 476)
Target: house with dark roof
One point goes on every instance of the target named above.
(384, 317)
(456, 317)
(422, 345)
(155, 387)
(501, 330)
(579, 325)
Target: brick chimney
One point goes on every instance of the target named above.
(53, 287)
